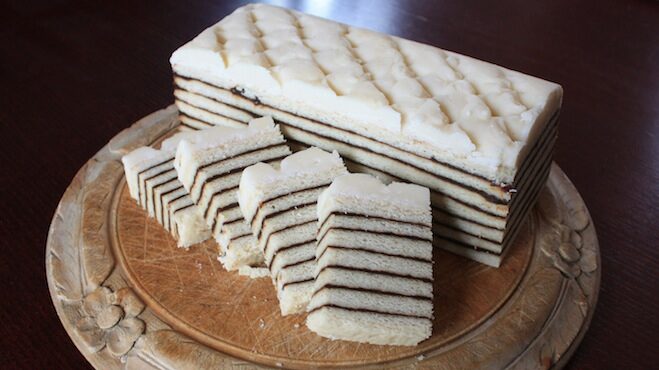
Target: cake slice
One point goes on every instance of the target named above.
(210, 164)
(478, 135)
(153, 183)
(280, 206)
(374, 270)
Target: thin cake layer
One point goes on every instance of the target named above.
(153, 182)
(280, 206)
(374, 262)
(210, 167)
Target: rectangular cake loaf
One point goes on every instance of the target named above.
(153, 183)
(373, 262)
(280, 205)
(209, 165)
(478, 135)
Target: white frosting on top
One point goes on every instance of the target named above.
(140, 155)
(219, 142)
(368, 188)
(308, 161)
(218, 136)
(136, 161)
(454, 106)
(303, 167)
(170, 144)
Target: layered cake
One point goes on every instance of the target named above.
(153, 183)
(478, 135)
(209, 165)
(374, 262)
(280, 205)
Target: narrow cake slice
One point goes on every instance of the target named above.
(280, 206)
(153, 183)
(374, 262)
(210, 164)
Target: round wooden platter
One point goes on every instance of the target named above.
(129, 298)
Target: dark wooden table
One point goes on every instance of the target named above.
(74, 74)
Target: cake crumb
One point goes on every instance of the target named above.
(421, 358)
(296, 326)
(261, 324)
(279, 364)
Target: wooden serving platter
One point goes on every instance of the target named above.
(130, 299)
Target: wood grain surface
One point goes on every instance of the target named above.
(74, 74)
(234, 314)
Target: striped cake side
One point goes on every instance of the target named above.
(213, 188)
(279, 203)
(285, 228)
(374, 274)
(161, 194)
(473, 215)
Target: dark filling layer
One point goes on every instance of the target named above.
(223, 175)
(162, 200)
(204, 124)
(141, 182)
(281, 212)
(298, 263)
(219, 161)
(236, 237)
(155, 165)
(167, 178)
(292, 246)
(372, 271)
(369, 311)
(344, 228)
(371, 251)
(160, 197)
(273, 232)
(264, 202)
(323, 234)
(296, 282)
(182, 208)
(370, 217)
(510, 235)
(374, 291)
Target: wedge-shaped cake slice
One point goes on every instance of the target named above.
(280, 206)
(209, 166)
(374, 275)
(153, 182)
